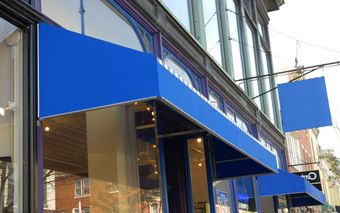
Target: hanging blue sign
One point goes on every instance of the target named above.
(304, 105)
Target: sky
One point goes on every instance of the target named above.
(309, 29)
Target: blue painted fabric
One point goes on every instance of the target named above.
(304, 104)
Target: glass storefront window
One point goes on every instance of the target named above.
(282, 204)
(245, 195)
(222, 195)
(104, 160)
(11, 162)
(198, 175)
(180, 9)
(213, 42)
(235, 40)
(252, 65)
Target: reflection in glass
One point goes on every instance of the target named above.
(104, 160)
(65, 12)
(11, 162)
(105, 25)
(215, 100)
(252, 65)
(222, 195)
(245, 195)
(198, 175)
(235, 40)
(213, 42)
(270, 108)
(282, 204)
(180, 9)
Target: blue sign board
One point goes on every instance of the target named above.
(304, 105)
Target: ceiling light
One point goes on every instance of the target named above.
(199, 140)
(47, 129)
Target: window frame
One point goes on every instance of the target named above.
(81, 187)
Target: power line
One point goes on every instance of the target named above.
(304, 42)
(289, 36)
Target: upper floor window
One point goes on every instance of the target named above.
(211, 28)
(81, 187)
(235, 40)
(181, 70)
(215, 99)
(251, 49)
(99, 19)
(180, 8)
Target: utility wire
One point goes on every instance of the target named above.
(274, 88)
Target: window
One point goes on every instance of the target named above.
(211, 27)
(11, 120)
(180, 9)
(245, 195)
(65, 12)
(105, 25)
(222, 195)
(110, 154)
(215, 99)
(81, 187)
(182, 71)
(83, 18)
(267, 86)
(234, 39)
(198, 173)
(252, 65)
(77, 210)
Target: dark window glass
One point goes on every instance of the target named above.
(245, 195)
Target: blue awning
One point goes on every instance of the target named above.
(78, 73)
(301, 192)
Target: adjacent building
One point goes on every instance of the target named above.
(141, 106)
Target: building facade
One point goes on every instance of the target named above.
(138, 106)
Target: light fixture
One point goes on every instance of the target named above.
(199, 140)
(152, 113)
(153, 119)
(154, 146)
(47, 129)
(148, 108)
(156, 172)
(136, 103)
(11, 107)
(200, 163)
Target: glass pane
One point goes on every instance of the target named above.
(110, 153)
(282, 204)
(11, 163)
(222, 196)
(198, 174)
(181, 72)
(105, 25)
(215, 99)
(213, 43)
(235, 40)
(252, 64)
(180, 9)
(64, 12)
(265, 71)
(245, 195)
